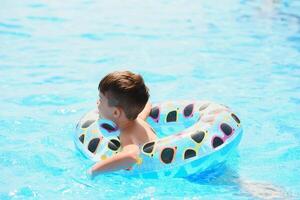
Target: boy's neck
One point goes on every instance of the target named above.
(126, 124)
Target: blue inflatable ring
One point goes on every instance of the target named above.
(185, 144)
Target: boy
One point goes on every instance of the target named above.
(123, 98)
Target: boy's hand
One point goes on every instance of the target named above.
(146, 111)
(129, 168)
(210, 117)
(90, 173)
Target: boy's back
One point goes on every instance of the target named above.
(139, 134)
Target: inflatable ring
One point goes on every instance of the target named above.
(186, 144)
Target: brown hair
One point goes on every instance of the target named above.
(127, 90)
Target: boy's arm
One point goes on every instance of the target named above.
(146, 111)
(122, 160)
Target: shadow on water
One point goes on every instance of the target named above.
(223, 175)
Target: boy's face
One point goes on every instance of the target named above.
(104, 109)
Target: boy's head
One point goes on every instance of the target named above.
(122, 91)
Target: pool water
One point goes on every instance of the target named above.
(244, 54)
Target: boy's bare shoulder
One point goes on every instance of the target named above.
(125, 138)
(138, 134)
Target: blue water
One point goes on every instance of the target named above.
(244, 54)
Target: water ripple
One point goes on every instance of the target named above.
(15, 34)
(91, 36)
(37, 5)
(48, 100)
(10, 26)
(47, 19)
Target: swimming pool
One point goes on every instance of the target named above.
(244, 54)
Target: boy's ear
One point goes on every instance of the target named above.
(117, 112)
